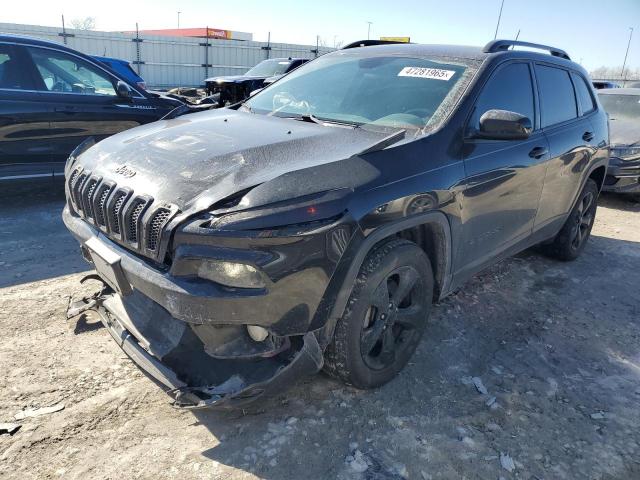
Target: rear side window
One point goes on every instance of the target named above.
(13, 72)
(583, 93)
(510, 88)
(557, 99)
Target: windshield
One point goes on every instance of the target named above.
(390, 91)
(269, 68)
(621, 106)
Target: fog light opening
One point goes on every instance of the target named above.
(257, 333)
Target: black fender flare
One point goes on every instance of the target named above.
(370, 241)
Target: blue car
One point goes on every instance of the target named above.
(123, 68)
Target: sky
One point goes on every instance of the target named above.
(593, 32)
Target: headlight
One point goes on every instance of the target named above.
(626, 152)
(231, 274)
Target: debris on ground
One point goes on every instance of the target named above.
(357, 462)
(9, 428)
(477, 382)
(507, 462)
(28, 413)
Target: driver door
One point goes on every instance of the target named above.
(504, 177)
(82, 101)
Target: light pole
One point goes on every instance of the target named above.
(499, 17)
(369, 30)
(624, 64)
(179, 20)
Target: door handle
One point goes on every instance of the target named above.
(538, 152)
(587, 136)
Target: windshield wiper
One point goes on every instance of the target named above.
(310, 117)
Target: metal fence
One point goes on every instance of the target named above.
(166, 62)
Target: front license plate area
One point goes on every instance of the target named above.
(108, 266)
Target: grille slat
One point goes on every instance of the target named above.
(134, 217)
(88, 197)
(114, 212)
(101, 205)
(156, 225)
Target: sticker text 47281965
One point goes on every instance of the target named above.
(431, 73)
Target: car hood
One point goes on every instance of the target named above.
(232, 79)
(624, 131)
(196, 160)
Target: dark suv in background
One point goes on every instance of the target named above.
(52, 98)
(314, 225)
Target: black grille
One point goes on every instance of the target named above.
(156, 225)
(132, 227)
(118, 212)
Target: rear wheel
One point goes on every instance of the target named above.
(385, 317)
(573, 236)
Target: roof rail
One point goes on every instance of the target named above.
(503, 45)
(368, 43)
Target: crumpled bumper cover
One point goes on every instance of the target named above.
(232, 393)
(622, 176)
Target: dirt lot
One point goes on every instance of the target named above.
(556, 344)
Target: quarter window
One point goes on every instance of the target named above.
(557, 99)
(510, 88)
(584, 94)
(65, 73)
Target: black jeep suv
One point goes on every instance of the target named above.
(314, 225)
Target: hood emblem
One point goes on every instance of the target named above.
(125, 171)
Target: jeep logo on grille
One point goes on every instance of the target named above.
(125, 171)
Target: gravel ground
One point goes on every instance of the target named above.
(531, 371)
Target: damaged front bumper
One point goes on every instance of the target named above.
(191, 336)
(174, 373)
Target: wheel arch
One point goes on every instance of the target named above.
(430, 231)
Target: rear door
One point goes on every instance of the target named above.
(24, 118)
(504, 177)
(83, 101)
(570, 135)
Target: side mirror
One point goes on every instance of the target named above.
(504, 125)
(123, 90)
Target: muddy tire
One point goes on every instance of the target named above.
(385, 316)
(573, 236)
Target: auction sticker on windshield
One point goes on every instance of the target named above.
(420, 72)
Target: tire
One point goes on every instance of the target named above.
(382, 326)
(573, 236)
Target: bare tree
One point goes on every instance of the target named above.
(86, 23)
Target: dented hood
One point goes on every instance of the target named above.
(196, 160)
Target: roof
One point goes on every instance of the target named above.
(619, 91)
(419, 50)
(498, 48)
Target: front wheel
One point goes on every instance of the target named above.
(573, 236)
(385, 317)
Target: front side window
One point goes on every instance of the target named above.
(390, 91)
(557, 98)
(584, 94)
(510, 88)
(13, 74)
(65, 73)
